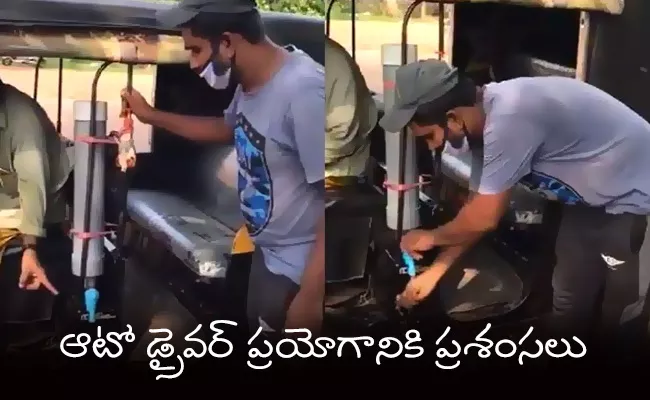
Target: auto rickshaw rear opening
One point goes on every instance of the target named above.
(183, 209)
(490, 41)
(182, 222)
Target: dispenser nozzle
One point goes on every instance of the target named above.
(410, 264)
(91, 297)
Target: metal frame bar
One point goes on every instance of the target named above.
(353, 18)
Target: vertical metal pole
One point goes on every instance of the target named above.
(441, 30)
(123, 183)
(82, 121)
(449, 43)
(353, 10)
(37, 72)
(403, 136)
(59, 97)
(582, 61)
(391, 60)
(328, 16)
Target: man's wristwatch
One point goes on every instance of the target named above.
(30, 246)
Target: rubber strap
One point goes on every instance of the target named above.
(404, 187)
(92, 235)
(94, 140)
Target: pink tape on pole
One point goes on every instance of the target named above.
(92, 235)
(94, 140)
(407, 186)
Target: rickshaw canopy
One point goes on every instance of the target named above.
(112, 30)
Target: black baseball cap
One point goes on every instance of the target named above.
(416, 84)
(186, 10)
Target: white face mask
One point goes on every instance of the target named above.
(215, 81)
(464, 148)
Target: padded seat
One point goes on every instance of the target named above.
(198, 240)
(355, 200)
(218, 196)
(482, 285)
(348, 219)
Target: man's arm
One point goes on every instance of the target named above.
(307, 117)
(307, 307)
(510, 143)
(341, 125)
(32, 169)
(190, 127)
(448, 257)
(313, 278)
(450, 254)
(478, 216)
(204, 129)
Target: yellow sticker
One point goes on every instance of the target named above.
(242, 243)
(6, 236)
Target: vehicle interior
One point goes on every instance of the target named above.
(201, 174)
(184, 208)
(507, 276)
(517, 41)
(182, 202)
(183, 194)
(512, 41)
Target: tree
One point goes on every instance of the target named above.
(392, 8)
(307, 7)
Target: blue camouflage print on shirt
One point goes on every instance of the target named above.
(552, 188)
(254, 179)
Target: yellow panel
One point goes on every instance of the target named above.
(242, 242)
(6, 236)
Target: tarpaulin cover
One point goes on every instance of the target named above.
(99, 29)
(98, 45)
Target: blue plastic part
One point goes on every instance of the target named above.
(410, 264)
(91, 297)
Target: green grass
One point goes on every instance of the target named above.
(87, 65)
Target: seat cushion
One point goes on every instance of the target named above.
(217, 194)
(198, 240)
(481, 285)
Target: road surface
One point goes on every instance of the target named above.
(372, 34)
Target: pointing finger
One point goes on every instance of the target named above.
(33, 285)
(48, 285)
(40, 276)
(23, 279)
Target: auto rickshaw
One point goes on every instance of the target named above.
(164, 248)
(505, 279)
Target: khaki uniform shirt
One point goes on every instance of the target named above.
(34, 165)
(351, 114)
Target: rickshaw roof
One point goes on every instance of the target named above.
(98, 29)
(94, 13)
(608, 6)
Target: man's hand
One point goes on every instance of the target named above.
(139, 106)
(32, 275)
(417, 241)
(306, 311)
(420, 287)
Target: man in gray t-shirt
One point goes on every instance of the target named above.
(276, 121)
(563, 138)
